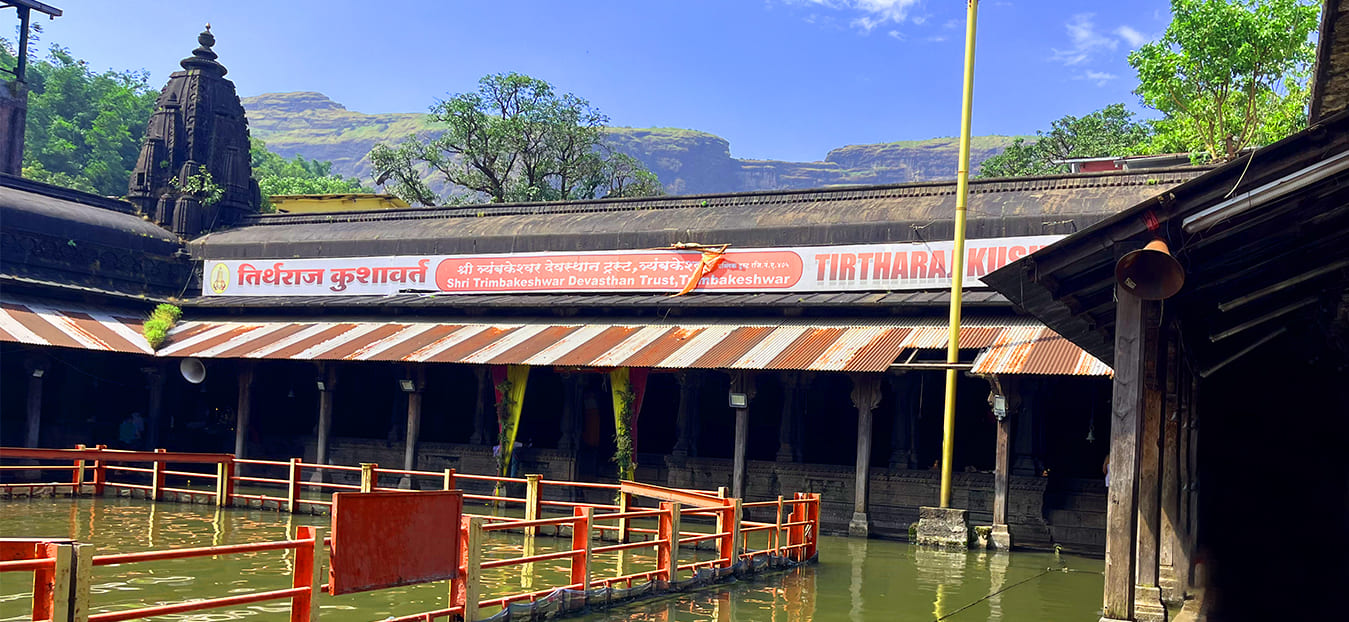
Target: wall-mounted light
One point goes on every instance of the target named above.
(739, 400)
(407, 385)
(321, 386)
(38, 372)
(1000, 407)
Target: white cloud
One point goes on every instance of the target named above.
(1085, 39)
(896, 35)
(1131, 36)
(1099, 77)
(873, 12)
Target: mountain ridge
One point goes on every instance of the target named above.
(686, 161)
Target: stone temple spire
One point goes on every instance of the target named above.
(198, 128)
(203, 58)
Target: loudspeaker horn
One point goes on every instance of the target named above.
(192, 370)
(1150, 273)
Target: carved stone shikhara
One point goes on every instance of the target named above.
(198, 126)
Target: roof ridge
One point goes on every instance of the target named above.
(740, 199)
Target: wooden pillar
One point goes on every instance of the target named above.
(1147, 595)
(741, 382)
(154, 407)
(327, 390)
(417, 374)
(484, 397)
(1008, 416)
(1025, 454)
(37, 370)
(1182, 525)
(901, 438)
(866, 395)
(1125, 428)
(1192, 492)
(1173, 591)
(792, 402)
(244, 410)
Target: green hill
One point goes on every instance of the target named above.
(686, 161)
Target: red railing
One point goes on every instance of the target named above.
(61, 578)
(682, 519)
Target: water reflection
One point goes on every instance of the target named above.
(856, 580)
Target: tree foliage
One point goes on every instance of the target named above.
(1228, 74)
(277, 175)
(514, 139)
(84, 127)
(1110, 131)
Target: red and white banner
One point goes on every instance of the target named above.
(859, 267)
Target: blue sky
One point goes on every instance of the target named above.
(779, 79)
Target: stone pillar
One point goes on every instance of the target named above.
(327, 390)
(741, 382)
(484, 397)
(866, 395)
(154, 407)
(1125, 428)
(1173, 592)
(37, 370)
(568, 437)
(244, 409)
(1147, 595)
(686, 439)
(417, 374)
(901, 438)
(793, 400)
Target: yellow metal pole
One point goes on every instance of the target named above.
(958, 258)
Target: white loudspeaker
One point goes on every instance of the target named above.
(192, 370)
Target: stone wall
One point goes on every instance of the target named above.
(1070, 515)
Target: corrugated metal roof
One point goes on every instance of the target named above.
(1009, 345)
(71, 326)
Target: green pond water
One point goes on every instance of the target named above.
(855, 580)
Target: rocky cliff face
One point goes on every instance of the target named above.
(686, 161)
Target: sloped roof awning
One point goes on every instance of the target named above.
(1008, 345)
(71, 326)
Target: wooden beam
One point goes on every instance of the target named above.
(1122, 508)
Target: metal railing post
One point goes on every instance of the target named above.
(308, 573)
(473, 568)
(80, 580)
(368, 476)
(449, 479)
(100, 473)
(667, 534)
(224, 482)
(532, 499)
(814, 525)
(777, 531)
(580, 545)
(624, 525)
(51, 584)
(77, 478)
(157, 474)
(293, 486)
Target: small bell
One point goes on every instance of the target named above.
(1091, 431)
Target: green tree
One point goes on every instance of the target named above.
(1228, 74)
(84, 127)
(514, 139)
(1110, 131)
(277, 175)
